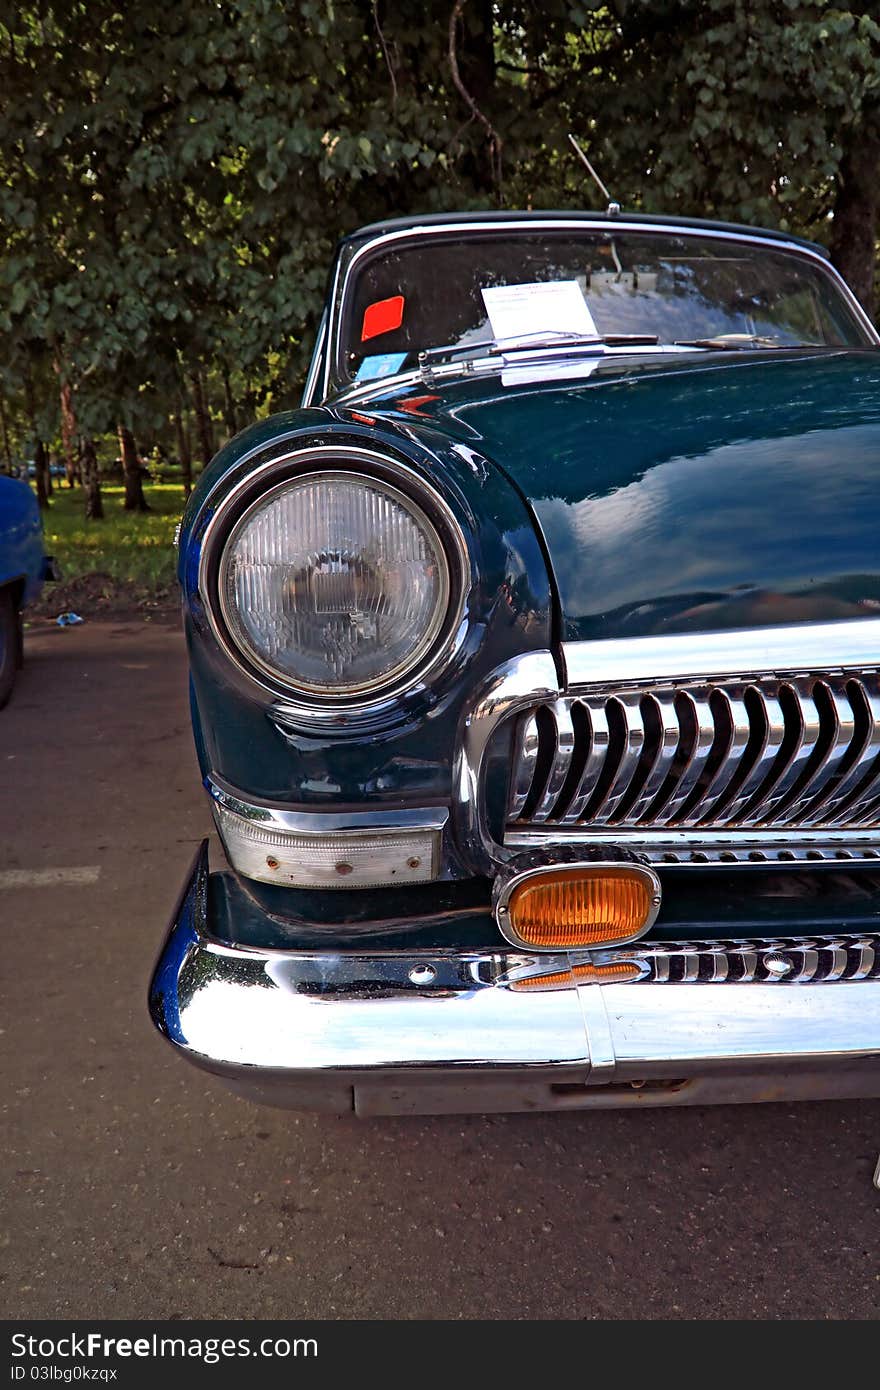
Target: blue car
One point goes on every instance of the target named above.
(24, 566)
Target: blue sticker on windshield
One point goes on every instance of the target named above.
(381, 364)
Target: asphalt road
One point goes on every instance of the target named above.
(132, 1186)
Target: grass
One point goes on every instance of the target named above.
(127, 557)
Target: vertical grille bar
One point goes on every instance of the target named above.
(832, 810)
(561, 759)
(804, 741)
(701, 713)
(841, 735)
(630, 752)
(594, 761)
(663, 754)
(737, 718)
(764, 760)
(525, 757)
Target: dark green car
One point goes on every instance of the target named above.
(535, 683)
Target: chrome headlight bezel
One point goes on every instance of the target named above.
(428, 508)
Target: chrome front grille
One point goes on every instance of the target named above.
(761, 759)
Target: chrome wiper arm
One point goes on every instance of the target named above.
(535, 342)
(577, 340)
(508, 344)
(733, 342)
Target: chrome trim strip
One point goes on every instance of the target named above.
(524, 680)
(282, 818)
(660, 845)
(315, 364)
(584, 224)
(850, 644)
(663, 834)
(306, 1025)
(600, 1036)
(361, 394)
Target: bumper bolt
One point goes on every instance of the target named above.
(422, 974)
(775, 965)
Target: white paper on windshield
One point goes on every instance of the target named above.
(523, 311)
(517, 373)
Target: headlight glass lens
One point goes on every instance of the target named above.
(335, 583)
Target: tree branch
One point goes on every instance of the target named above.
(388, 62)
(495, 141)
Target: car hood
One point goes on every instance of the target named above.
(683, 494)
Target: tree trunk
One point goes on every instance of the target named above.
(91, 485)
(183, 448)
(7, 452)
(68, 428)
(203, 419)
(42, 469)
(854, 231)
(134, 487)
(229, 404)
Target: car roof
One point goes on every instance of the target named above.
(441, 219)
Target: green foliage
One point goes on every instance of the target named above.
(172, 180)
(125, 547)
(736, 109)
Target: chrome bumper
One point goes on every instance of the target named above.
(388, 1032)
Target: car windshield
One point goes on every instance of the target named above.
(426, 293)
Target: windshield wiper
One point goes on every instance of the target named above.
(577, 340)
(536, 342)
(731, 342)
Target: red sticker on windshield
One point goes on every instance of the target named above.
(382, 316)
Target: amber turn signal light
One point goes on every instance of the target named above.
(577, 906)
(615, 972)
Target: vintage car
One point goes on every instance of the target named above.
(534, 677)
(23, 567)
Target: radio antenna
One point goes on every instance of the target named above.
(613, 208)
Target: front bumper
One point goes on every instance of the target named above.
(391, 1032)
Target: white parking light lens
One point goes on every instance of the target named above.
(328, 859)
(335, 584)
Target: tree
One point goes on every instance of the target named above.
(172, 182)
(763, 113)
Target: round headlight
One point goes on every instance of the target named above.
(335, 584)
